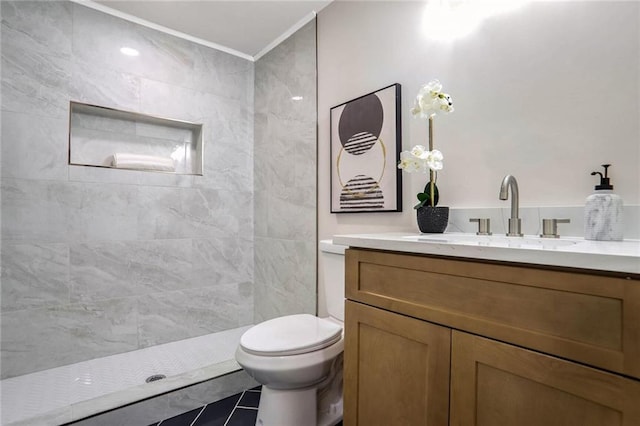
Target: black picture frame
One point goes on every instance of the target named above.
(366, 140)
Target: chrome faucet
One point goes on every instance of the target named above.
(514, 221)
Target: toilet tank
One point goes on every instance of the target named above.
(332, 256)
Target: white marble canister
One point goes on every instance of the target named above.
(603, 216)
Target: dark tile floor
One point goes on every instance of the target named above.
(237, 410)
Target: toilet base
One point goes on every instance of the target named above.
(316, 405)
(293, 407)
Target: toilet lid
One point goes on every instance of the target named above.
(290, 335)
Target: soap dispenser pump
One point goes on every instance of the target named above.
(603, 211)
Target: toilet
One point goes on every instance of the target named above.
(298, 358)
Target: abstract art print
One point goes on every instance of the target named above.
(365, 149)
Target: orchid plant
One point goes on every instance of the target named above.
(431, 100)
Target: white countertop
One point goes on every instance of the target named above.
(615, 256)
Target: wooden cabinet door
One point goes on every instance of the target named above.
(396, 369)
(493, 383)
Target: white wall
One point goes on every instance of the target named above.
(547, 93)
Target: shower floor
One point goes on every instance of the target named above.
(75, 391)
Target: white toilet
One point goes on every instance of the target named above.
(298, 358)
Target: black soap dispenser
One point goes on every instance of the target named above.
(603, 211)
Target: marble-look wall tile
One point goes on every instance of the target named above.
(277, 154)
(104, 86)
(289, 70)
(34, 147)
(35, 83)
(232, 210)
(260, 147)
(291, 213)
(35, 211)
(292, 195)
(106, 270)
(222, 74)
(227, 167)
(34, 275)
(167, 100)
(161, 131)
(134, 237)
(222, 261)
(64, 212)
(168, 316)
(285, 178)
(261, 214)
(37, 339)
(128, 177)
(84, 120)
(163, 214)
(36, 26)
(305, 171)
(228, 154)
(98, 37)
(285, 277)
(102, 212)
(193, 213)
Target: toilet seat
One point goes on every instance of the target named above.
(290, 335)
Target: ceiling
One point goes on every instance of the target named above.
(249, 28)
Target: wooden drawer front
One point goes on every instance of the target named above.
(575, 315)
(494, 383)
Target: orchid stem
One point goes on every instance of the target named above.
(431, 173)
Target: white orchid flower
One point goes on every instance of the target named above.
(419, 160)
(434, 160)
(434, 87)
(431, 100)
(419, 151)
(410, 163)
(445, 103)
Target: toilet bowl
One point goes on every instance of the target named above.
(298, 358)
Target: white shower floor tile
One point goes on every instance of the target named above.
(78, 390)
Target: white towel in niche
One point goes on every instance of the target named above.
(142, 162)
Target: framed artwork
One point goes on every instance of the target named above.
(366, 141)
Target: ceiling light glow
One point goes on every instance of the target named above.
(129, 51)
(449, 20)
(452, 19)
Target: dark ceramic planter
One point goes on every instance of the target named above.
(432, 220)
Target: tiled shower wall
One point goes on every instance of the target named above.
(100, 261)
(285, 177)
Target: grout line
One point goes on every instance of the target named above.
(197, 417)
(234, 409)
(246, 408)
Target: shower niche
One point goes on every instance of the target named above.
(112, 138)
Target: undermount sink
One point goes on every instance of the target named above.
(497, 241)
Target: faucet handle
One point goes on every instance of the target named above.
(484, 226)
(550, 227)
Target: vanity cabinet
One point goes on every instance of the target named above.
(400, 367)
(438, 341)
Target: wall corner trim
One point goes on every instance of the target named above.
(301, 23)
(105, 9)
